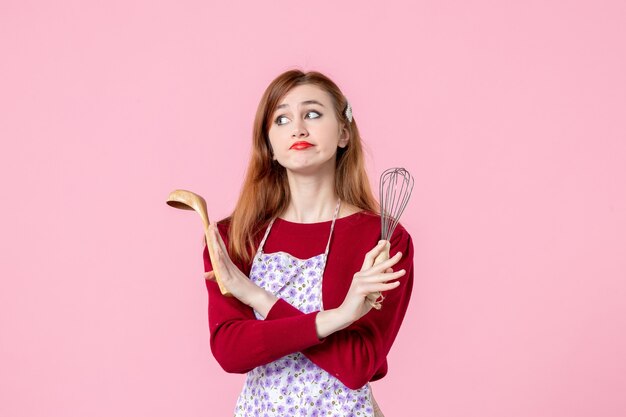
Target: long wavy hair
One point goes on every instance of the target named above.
(265, 191)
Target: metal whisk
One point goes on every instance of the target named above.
(396, 186)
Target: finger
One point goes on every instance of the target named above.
(383, 266)
(211, 237)
(372, 254)
(377, 288)
(215, 240)
(216, 249)
(225, 265)
(220, 241)
(209, 276)
(219, 257)
(381, 277)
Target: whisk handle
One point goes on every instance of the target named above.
(384, 255)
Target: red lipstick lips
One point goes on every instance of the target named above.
(300, 145)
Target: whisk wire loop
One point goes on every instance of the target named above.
(396, 186)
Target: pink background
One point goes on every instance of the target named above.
(510, 115)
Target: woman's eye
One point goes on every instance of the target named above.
(278, 120)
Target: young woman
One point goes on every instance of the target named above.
(298, 254)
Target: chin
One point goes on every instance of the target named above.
(303, 169)
(309, 164)
(311, 169)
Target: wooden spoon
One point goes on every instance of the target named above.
(187, 200)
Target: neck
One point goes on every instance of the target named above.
(313, 197)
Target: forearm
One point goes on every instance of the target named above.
(353, 353)
(240, 342)
(328, 322)
(241, 345)
(261, 300)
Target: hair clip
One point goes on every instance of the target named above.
(348, 112)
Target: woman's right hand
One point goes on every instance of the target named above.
(235, 281)
(371, 279)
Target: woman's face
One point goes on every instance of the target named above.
(305, 132)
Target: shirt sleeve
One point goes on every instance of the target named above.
(239, 342)
(358, 353)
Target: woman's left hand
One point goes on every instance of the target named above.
(235, 281)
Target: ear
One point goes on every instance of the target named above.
(344, 136)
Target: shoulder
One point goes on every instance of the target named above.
(400, 235)
(401, 240)
(368, 225)
(224, 224)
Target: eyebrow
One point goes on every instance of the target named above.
(280, 106)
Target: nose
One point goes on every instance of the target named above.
(299, 130)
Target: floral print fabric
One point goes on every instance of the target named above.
(295, 280)
(293, 385)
